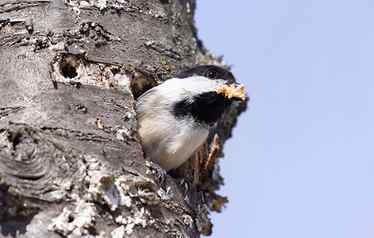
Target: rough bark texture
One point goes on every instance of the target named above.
(70, 161)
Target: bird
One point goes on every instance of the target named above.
(175, 117)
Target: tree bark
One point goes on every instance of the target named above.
(70, 161)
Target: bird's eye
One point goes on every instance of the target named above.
(211, 74)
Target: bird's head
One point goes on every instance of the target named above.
(203, 79)
(204, 92)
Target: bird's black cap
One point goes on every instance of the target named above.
(209, 71)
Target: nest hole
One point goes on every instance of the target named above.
(69, 66)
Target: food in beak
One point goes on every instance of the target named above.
(232, 91)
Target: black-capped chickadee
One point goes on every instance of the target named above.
(174, 117)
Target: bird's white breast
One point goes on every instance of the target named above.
(183, 145)
(168, 143)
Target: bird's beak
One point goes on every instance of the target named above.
(232, 91)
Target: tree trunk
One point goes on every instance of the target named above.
(70, 161)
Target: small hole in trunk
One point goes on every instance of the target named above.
(69, 66)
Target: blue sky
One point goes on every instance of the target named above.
(301, 162)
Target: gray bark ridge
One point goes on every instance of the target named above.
(71, 164)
